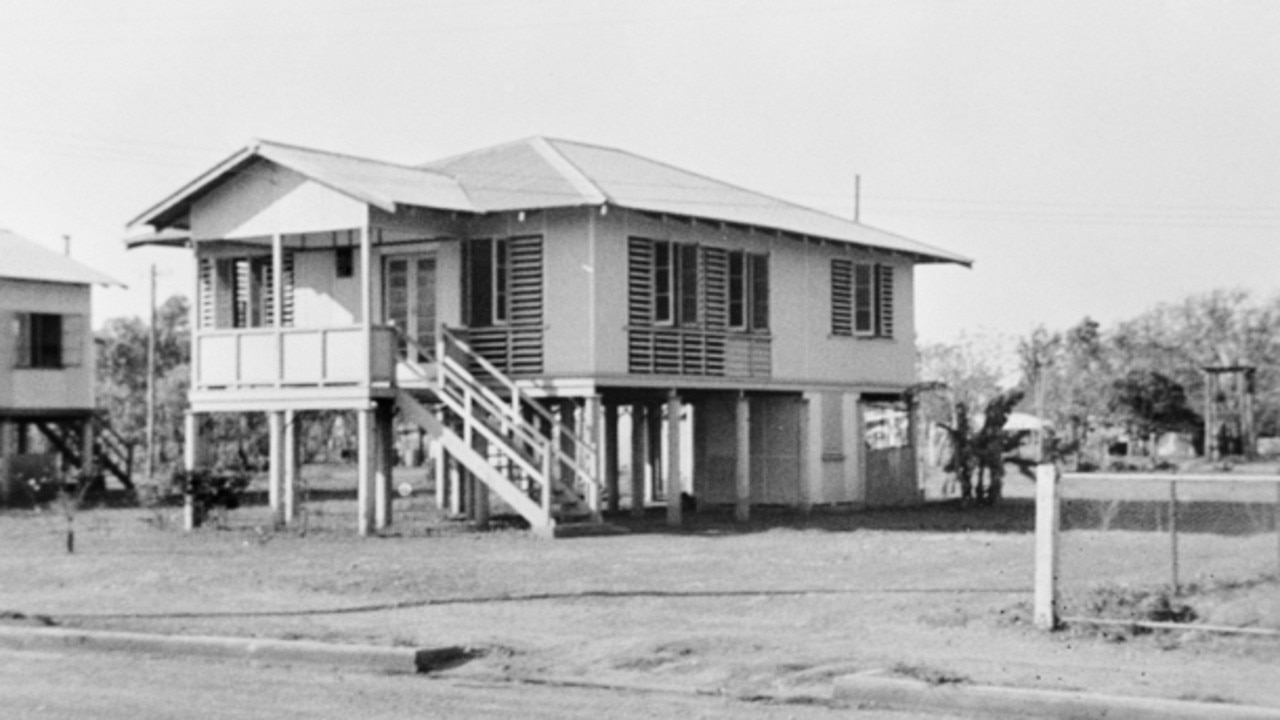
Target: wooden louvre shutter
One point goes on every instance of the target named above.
(286, 289)
(22, 340)
(841, 297)
(73, 339)
(205, 297)
(640, 281)
(884, 300)
(525, 258)
(715, 272)
(224, 308)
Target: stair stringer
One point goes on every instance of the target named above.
(476, 463)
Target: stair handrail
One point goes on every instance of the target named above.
(490, 401)
(519, 397)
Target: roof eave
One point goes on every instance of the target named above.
(162, 214)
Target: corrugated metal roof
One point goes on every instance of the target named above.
(381, 184)
(522, 175)
(28, 260)
(544, 173)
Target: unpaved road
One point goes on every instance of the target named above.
(74, 686)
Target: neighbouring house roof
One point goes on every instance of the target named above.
(28, 260)
(539, 173)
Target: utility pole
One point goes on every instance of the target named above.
(66, 245)
(151, 382)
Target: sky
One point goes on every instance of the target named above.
(1094, 158)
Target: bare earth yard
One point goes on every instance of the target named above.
(777, 608)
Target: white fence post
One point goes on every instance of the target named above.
(1047, 527)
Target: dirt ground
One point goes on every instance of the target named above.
(775, 608)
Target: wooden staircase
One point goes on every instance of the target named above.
(112, 454)
(509, 441)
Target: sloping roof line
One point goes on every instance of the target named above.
(541, 172)
(28, 260)
(381, 184)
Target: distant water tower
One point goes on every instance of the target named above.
(1228, 411)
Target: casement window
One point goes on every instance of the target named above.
(676, 287)
(861, 299)
(487, 276)
(502, 281)
(45, 340)
(748, 291)
(239, 292)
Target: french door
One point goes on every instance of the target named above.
(410, 282)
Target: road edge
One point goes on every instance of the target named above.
(874, 689)
(370, 658)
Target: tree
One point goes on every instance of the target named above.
(1152, 403)
(122, 376)
(985, 451)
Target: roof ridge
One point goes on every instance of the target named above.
(569, 169)
(255, 143)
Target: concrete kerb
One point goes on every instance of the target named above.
(874, 689)
(368, 658)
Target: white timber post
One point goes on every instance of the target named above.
(593, 414)
(277, 303)
(742, 458)
(674, 500)
(436, 450)
(611, 462)
(1047, 527)
(383, 457)
(811, 469)
(292, 463)
(191, 457)
(364, 479)
(639, 457)
(366, 302)
(275, 466)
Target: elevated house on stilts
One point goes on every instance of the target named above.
(525, 302)
(47, 374)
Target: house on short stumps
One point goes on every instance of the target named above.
(524, 303)
(47, 371)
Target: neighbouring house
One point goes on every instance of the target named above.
(47, 370)
(523, 303)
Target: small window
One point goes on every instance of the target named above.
(345, 262)
(688, 261)
(748, 291)
(861, 299)
(663, 282)
(487, 277)
(39, 340)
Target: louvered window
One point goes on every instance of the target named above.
(503, 303)
(679, 310)
(240, 292)
(861, 299)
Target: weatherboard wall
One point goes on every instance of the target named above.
(44, 389)
(265, 198)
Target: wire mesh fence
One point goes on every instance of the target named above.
(1160, 549)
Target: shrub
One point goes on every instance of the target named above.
(211, 489)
